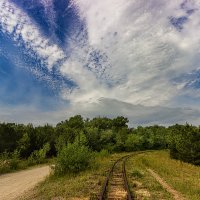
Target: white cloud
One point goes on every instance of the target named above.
(137, 114)
(49, 12)
(20, 27)
(144, 50)
(141, 52)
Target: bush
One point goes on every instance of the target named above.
(4, 166)
(38, 156)
(15, 160)
(9, 162)
(73, 158)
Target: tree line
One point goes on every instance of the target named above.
(100, 133)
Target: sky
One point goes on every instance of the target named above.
(139, 59)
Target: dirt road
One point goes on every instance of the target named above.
(15, 184)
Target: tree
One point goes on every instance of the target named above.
(133, 143)
(8, 137)
(185, 143)
(120, 139)
(100, 123)
(107, 138)
(120, 122)
(93, 138)
(76, 123)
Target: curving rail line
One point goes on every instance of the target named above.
(116, 183)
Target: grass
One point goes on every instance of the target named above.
(85, 185)
(183, 177)
(142, 185)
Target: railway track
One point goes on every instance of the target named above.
(116, 184)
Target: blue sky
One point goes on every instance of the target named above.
(139, 59)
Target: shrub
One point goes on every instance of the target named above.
(73, 158)
(15, 160)
(38, 156)
(4, 166)
(9, 162)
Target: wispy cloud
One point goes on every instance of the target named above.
(144, 49)
(50, 12)
(23, 31)
(130, 52)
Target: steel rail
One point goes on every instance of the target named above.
(129, 195)
(105, 185)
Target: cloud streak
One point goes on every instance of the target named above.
(23, 31)
(144, 50)
(136, 54)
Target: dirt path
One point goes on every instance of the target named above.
(177, 195)
(15, 184)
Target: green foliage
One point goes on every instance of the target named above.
(38, 156)
(15, 160)
(8, 136)
(5, 155)
(184, 143)
(120, 138)
(107, 140)
(101, 123)
(24, 144)
(73, 158)
(4, 166)
(97, 134)
(93, 138)
(120, 122)
(4, 162)
(60, 143)
(133, 142)
(9, 161)
(81, 139)
(76, 122)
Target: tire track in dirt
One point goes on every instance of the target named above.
(173, 192)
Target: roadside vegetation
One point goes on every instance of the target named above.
(85, 185)
(10, 162)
